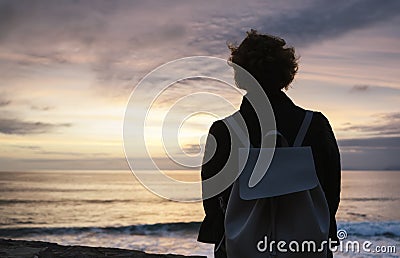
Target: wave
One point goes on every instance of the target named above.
(390, 229)
(107, 201)
(368, 229)
(159, 229)
(381, 199)
(5, 202)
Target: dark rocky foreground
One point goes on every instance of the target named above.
(36, 249)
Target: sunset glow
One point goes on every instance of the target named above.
(67, 73)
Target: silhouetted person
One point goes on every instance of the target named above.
(273, 65)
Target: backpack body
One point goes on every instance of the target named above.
(276, 210)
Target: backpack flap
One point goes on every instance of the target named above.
(291, 170)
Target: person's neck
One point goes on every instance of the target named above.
(273, 97)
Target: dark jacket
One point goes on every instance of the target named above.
(288, 118)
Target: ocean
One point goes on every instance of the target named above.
(112, 209)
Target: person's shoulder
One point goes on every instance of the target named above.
(319, 116)
(220, 127)
(320, 121)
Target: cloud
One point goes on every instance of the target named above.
(116, 38)
(113, 43)
(360, 88)
(39, 150)
(41, 108)
(6, 17)
(389, 116)
(375, 153)
(373, 88)
(373, 142)
(20, 127)
(4, 102)
(386, 124)
(193, 149)
(324, 20)
(301, 25)
(27, 147)
(36, 149)
(187, 89)
(25, 164)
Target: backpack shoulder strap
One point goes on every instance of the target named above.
(303, 129)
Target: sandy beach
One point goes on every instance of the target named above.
(37, 249)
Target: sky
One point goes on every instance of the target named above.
(67, 69)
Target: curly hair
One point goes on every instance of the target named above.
(267, 59)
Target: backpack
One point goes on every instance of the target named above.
(283, 203)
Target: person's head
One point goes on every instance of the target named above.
(267, 59)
